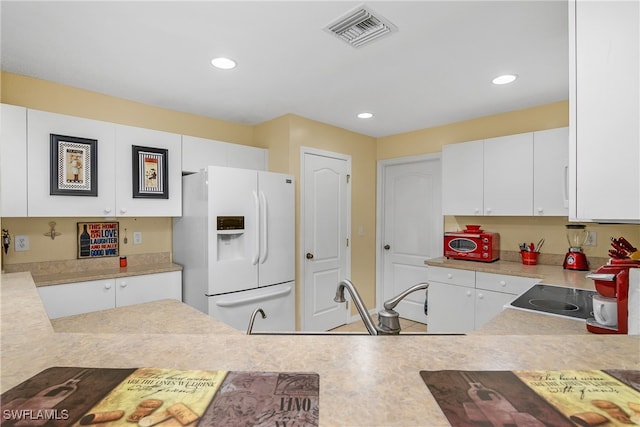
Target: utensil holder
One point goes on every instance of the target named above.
(529, 258)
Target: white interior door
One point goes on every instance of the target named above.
(325, 219)
(410, 229)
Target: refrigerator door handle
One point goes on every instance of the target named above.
(256, 252)
(244, 301)
(263, 226)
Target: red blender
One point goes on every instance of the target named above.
(575, 259)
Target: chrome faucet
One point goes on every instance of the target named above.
(364, 313)
(253, 319)
(388, 319)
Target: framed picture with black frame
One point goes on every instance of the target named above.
(150, 172)
(74, 166)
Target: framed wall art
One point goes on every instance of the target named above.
(98, 239)
(74, 166)
(150, 179)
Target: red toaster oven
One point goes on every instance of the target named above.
(475, 246)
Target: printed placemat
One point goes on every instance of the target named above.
(537, 398)
(72, 396)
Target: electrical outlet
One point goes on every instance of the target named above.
(21, 243)
(137, 237)
(592, 239)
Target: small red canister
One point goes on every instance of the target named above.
(529, 257)
(123, 261)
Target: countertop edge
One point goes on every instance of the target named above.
(111, 273)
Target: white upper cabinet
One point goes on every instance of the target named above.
(514, 175)
(40, 126)
(462, 179)
(149, 204)
(198, 153)
(604, 100)
(13, 158)
(550, 172)
(508, 175)
(114, 163)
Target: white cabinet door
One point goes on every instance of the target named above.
(508, 175)
(13, 158)
(551, 172)
(198, 153)
(489, 304)
(126, 204)
(149, 287)
(40, 126)
(462, 179)
(77, 298)
(605, 110)
(451, 308)
(244, 156)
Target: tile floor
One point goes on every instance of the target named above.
(406, 326)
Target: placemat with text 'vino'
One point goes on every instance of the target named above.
(75, 396)
(537, 398)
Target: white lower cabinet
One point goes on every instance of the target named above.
(450, 308)
(84, 297)
(461, 301)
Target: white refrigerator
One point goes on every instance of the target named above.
(236, 242)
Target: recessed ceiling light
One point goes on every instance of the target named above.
(223, 63)
(504, 79)
(365, 115)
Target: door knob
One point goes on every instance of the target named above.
(387, 247)
(309, 255)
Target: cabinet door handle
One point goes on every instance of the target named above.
(503, 283)
(309, 255)
(480, 296)
(123, 210)
(107, 285)
(387, 247)
(123, 284)
(468, 293)
(107, 210)
(449, 276)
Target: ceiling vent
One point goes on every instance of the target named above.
(360, 26)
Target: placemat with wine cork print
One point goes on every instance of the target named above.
(72, 396)
(537, 398)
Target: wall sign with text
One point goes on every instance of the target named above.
(98, 239)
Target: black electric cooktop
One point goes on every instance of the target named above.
(569, 302)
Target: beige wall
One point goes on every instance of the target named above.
(47, 96)
(513, 230)
(432, 139)
(284, 137)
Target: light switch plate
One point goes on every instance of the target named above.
(21, 243)
(137, 237)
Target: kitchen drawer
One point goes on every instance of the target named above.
(452, 275)
(515, 285)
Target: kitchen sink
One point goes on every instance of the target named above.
(556, 300)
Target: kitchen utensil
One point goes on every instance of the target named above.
(623, 249)
(539, 245)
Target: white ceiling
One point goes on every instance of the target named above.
(436, 69)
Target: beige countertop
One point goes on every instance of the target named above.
(548, 274)
(364, 380)
(83, 270)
